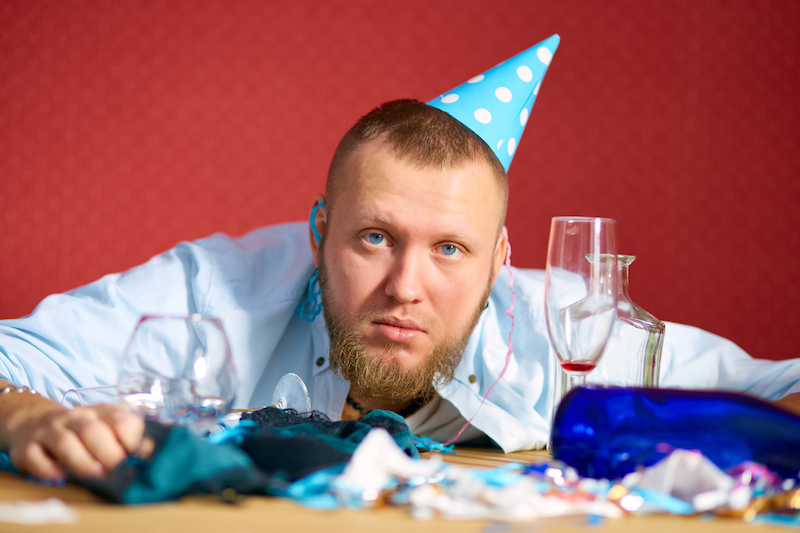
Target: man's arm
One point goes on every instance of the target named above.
(73, 340)
(44, 438)
(696, 359)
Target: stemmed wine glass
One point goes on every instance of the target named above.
(178, 370)
(291, 393)
(580, 292)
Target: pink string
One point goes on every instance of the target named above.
(509, 312)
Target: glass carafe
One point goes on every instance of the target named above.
(632, 357)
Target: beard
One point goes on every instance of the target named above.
(373, 376)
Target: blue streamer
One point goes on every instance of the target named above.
(311, 306)
(235, 434)
(667, 502)
(427, 444)
(312, 221)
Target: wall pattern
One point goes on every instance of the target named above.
(128, 126)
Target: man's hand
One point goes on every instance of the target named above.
(44, 438)
(789, 403)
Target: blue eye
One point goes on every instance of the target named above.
(374, 238)
(449, 249)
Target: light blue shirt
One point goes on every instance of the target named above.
(253, 284)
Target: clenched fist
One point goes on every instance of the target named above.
(44, 438)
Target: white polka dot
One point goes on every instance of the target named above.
(449, 98)
(544, 54)
(523, 117)
(483, 116)
(524, 73)
(512, 144)
(499, 144)
(536, 89)
(503, 94)
(476, 79)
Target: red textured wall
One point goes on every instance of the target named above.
(128, 126)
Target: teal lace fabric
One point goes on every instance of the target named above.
(280, 448)
(343, 435)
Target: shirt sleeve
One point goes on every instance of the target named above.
(75, 339)
(696, 359)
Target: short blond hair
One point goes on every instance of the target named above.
(418, 134)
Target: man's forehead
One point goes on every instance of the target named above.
(379, 167)
(454, 203)
(378, 159)
(419, 221)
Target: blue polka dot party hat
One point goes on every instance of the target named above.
(496, 104)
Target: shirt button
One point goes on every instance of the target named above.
(472, 378)
(320, 361)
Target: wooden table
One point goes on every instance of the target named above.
(262, 514)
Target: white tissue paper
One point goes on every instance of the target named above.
(691, 477)
(50, 511)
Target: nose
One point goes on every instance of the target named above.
(405, 278)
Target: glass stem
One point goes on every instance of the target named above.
(571, 382)
(576, 380)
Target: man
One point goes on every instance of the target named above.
(410, 249)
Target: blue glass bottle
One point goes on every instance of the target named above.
(606, 433)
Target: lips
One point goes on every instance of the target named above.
(396, 322)
(397, 330)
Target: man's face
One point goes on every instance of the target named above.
(409, 257)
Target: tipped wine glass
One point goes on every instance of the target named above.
(178, 370)
(580, 293)
(291, 393)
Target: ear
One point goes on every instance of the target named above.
(320, 221)
(501, 251)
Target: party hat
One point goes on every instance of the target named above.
(496, 104)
